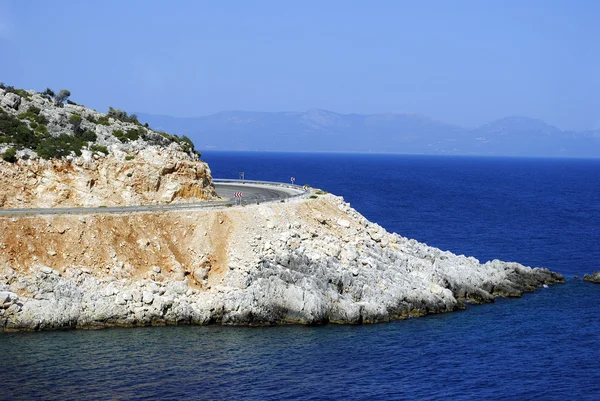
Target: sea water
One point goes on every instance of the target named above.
(545, 345)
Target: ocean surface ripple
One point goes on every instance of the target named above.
(541, 212)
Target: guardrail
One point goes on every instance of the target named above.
(159, 207)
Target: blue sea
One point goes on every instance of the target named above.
(543, 346)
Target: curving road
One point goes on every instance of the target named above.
(251, 193)
(254, 192)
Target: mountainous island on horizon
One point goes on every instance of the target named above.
(320, 130)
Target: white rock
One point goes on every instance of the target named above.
(343, 223)
(154, 288)
(7, 298)
(147, 297)
(119, 300)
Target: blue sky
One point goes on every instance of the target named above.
(463, 62)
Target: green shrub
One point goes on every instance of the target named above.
(131, 134)
(119, 134)
(99, 148)
(129, 157)
(129, 175)
(41, 131)
(87, 136)
(135, 133)
(119, 114)
(33, 114)
(10, 155)
(103, 120)
(61, 146)
(21, 92)
(91, 119)
(320, 192)
(75, 120)
(13, 130)
(313, 197)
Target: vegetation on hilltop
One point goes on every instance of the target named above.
(29, 129)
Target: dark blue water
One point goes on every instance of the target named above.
(541, 212)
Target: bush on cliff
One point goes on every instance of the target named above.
(75, 121)
(10, 155)
(99, 148)
(21, 92)
(119, 114)
(60, 146)
(130, 135)
(15, 131)
(103, 120)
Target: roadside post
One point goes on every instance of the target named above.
(293, 179)
(242, 176)
(238, 197)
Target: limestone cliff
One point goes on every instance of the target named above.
(151, 175)
(303, 261)
(69, 155)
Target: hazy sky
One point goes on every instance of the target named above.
(463, 62)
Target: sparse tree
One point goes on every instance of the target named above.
(61, 97)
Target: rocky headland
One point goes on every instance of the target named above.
(312, 260)
(307, 261)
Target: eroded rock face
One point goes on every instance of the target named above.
(10, 100)
(152, 175)
(268, 264)
(146, 167)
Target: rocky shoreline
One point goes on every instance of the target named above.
(306, 261)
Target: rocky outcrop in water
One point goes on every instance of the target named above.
(593, 278)
(307, 261)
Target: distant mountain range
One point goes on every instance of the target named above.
(322, 130)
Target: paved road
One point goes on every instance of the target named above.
(252, 193)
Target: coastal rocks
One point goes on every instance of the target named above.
(593, 278)
(108, 181)
(7, 299)
(186, 268)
